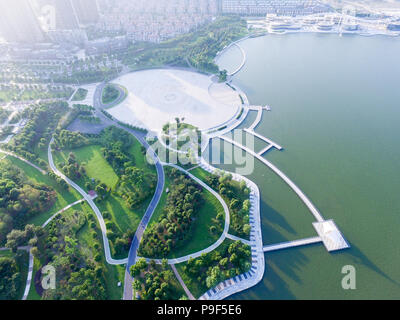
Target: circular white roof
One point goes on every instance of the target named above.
(158, 96)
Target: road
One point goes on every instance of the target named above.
(141, 137)
(226, 227)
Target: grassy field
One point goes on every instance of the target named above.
(98, 168)
(201, 237)
(200, 173)
(64, 197)
(95, 165)
(203, 174)
(122, 216)
(80, 95)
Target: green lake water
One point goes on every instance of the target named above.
(336, 111)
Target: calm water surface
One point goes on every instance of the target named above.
(336, 111)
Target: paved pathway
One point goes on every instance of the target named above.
(90, 201)
(30, 269)
(140, 136)
(256, 272)
(235, 238)
(226, 227)
(291, 184)
(291, 244)
(178, 276)
(24, 160)
(61, 211)
(29, 278)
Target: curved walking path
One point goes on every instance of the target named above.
(291, 184)
(22, 159)
(185, 288)
(140, 136)
(61, 211)
(30, 275)
(30, 269)
(226, 227)
(91, 203)
(244, 59)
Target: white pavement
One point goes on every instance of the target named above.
(29, 278)
(291, 244)
(256, 272)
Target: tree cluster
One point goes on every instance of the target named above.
(226, 262)
(174, 226)
(236, 195)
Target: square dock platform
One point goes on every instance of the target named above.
(331, 236)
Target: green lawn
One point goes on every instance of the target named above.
(201, 237)
(98, 168)
(122, 216)
(64, 197)
(203, 174)
(95, 165)
(200, 173)
(80, 95)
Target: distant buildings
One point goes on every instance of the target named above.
(279, 7)
(70, 14)
(155, 20)
(18, 22)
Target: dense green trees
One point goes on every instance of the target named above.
(154, 282)
(69, 140)
(79, 267)
(4, 114)
(9, 278)
(34, 137)
(173, 228)
(20, 199)
(229, 260)
(198, 48)
(72, 168)
(236, 195)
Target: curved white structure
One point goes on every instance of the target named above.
(158, 96)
